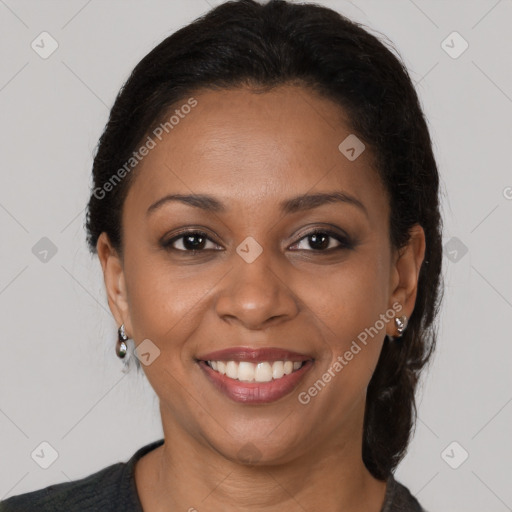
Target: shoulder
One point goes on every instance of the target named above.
(94, 490)
(108, 490)
(399, 499)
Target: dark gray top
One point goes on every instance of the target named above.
(113, 489)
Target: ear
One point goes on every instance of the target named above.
(405, 274)
(115, 284)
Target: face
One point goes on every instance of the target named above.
(253, 267)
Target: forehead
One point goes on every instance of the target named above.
(249, 147)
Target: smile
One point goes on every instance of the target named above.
(255, 376)
(246, 371)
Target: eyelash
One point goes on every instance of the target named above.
(345, 243)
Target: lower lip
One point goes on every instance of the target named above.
(255, 392)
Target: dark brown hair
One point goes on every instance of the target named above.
(242, 43)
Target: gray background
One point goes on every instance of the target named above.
(60, 380)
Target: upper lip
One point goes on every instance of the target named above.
(255, 355)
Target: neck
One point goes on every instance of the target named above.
(186, 474)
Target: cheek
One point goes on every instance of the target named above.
(346, 307)
(166, 302)
(159, 302)
(347, 299)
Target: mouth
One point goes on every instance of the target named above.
(255, 375)
(245, 371)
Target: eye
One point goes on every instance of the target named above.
(189, 241)
(321, 240)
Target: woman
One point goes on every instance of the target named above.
(265, 211)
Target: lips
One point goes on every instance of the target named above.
(254, 355)
(276, 385)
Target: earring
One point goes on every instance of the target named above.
(125, 350)
(121, 345)
(401, 324)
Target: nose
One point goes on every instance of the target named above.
(256, 295)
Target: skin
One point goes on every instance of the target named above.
(251, 151)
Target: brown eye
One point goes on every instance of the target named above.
(324, 240)
(189, 241)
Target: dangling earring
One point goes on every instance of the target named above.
(401, 324)
(125, 350)
(121, 345)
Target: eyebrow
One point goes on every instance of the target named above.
(295, 204)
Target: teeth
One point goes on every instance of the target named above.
(232, 369)
(264, 371)
(278, 369)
